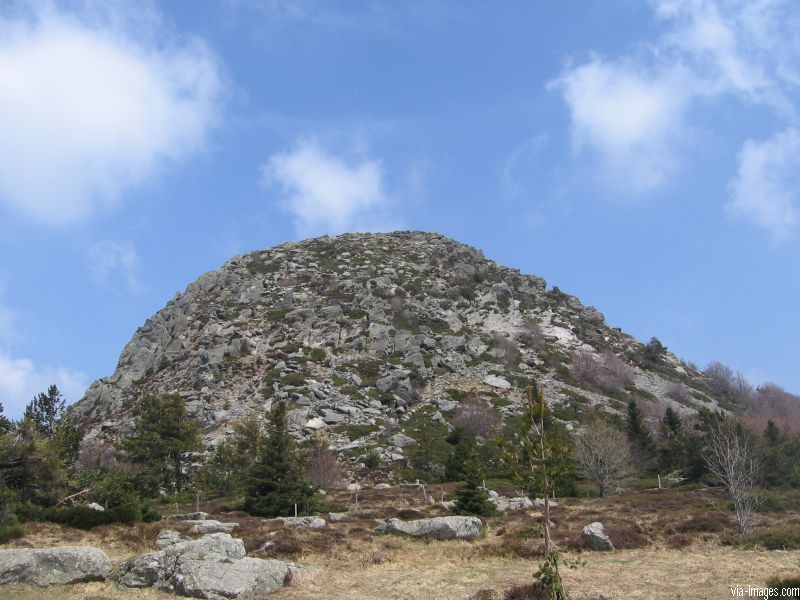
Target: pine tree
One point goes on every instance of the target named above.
(162, 435)
(671, 424)
(5, 424)
(639, 435)
(46, 410)
(472, 498)
(465, 446)
(275, 480)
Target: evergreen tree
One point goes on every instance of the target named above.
(46, 410)
(275, 480)
(5, 424)
(430, 452)
(522, 451)
(639, 435)
(654, 350)
(671, 424)
(226, 471)
(464, 445)
(772, 435)
(472, 498)
(162, 435)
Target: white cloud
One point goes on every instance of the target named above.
(767, 183)
(326, 193)
(630, 118)
(21, 380)
(632, 112)
(111, 260)
(92, 104)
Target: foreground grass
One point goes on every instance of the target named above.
(405, 570)
(670, 548)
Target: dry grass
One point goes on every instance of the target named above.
(672, 540)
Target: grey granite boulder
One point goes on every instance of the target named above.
(307, 522)
(193, 516)
(213, 567)
(211, 526)
(595, 536)
(440, 528)
(53, 566)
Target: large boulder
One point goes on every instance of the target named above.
(595, 537)
(440, 528)
(193, 516)
(307, 522)
(211, 526)
(53, 566)
(213, 567)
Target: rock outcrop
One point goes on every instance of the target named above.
(439, 528)
(214, 567)
(358, 332)
(53, 566)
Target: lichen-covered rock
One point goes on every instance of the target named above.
(53, 566)
(440, 528)
(211, 526)
(311, 522)
(213, 567)
(595, 537)
(194, 516)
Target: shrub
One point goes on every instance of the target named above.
(626, 537)
(786, 588)
(11, 531)
(477, 417)
(527, 591)
(372, 460)
(775, 539)
(706, 522)
(82, 517)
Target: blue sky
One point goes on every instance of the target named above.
(643, 156)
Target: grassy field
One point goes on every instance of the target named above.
(672, 546)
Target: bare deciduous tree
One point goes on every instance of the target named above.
(616, 374)
(477, 417)
(586, 367)
(608, 371)
(678, 392)
(322, 468)
(731, 458)
(531, 335)
(602, 455)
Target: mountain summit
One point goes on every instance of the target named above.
(357, 330)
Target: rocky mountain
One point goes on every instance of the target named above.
(360, 331)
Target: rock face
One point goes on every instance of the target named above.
(440, 528)
(213, 567)
(53, 566)
(357, 332)
(595, 537)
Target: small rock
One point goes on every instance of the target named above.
(315, 423)
(401, 440)
(497, 382)
(595, 536)
(95, 506)
(382, 486)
